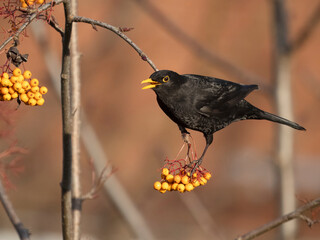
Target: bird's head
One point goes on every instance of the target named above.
(162, 79)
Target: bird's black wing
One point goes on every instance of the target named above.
(213, 96)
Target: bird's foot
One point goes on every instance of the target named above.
(194, 165)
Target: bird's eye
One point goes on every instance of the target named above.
(166, 79)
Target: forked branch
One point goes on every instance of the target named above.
(297, 214)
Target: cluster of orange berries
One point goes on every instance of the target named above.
(21, 85)
(26, 3)
(181, 182)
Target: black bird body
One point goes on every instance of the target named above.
(206, 104)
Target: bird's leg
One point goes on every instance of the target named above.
(186, 138)
(197, 162)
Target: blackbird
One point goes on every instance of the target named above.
(205, 104)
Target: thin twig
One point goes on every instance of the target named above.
(297, 214)
(119, 33)
(32, 17)
(23, 233)
(56, 26)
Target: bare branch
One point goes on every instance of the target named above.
(119, 32)
(297, 214)
(32, 17)
(23, 233)
(67, 127)
(56, 26)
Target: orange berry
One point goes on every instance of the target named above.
(34, 82)
(5, 82)
(37, 96)
(7, 97)
(181, 187)
(30, 94)
(4, 90)
(40, 101)
(20, 78)
(203, 181)
(14, 95)
(177, 178)
(162, 190)
(189, 187)
(43, 90)
(32, 102)
(185, 179)
(34, 89)
(157, 185)
(196, 183)
(169, 178)
(11, 90)
(17, 86)
(5, 75)
(164, 185)
(16, 72)
(40, 1)
(194, 175)
(27, 74)
(207, 175)
(165, 171)
(174, 186)
(24, 98)
(26, 85)
(14, 79)
(21, 90)
(169, 187)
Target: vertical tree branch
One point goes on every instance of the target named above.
(76, 107)
(23, 233)
(113, 187)
(66, 197)
(284, 136)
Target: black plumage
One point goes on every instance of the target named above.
(206, 104)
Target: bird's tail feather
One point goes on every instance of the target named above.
(277, 119)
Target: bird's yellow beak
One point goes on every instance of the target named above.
(152, 83)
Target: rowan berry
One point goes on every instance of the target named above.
(40, 101)
(164, 185)
(43, 90)
(189, 187)
(32, 102)
(24, 98)
(177, 178)
(27, 74)
(169, 178)
(34, 82)
(7, 97)
(157, 185)
(185, 179)
(16, 72)
(181, 187)
(4, 90)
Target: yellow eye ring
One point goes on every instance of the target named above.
(166, 79)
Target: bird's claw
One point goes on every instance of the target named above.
(196, 163)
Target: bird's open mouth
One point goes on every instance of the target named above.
(152, 83)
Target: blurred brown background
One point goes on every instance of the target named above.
(137, 136)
